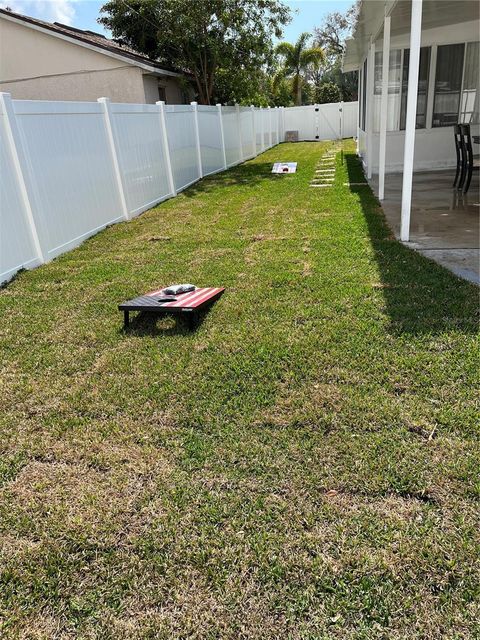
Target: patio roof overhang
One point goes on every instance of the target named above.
(371, 15)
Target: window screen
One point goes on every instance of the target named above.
(448, 82)
(469, 112)
(393, 100)
(422, 95)
(364, 94)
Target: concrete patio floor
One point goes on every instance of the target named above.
(444, 222)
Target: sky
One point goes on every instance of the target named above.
(83, 14)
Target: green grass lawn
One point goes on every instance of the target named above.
(305, 465)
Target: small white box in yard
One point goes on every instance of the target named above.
(284, 167)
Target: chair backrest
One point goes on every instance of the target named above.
(466, 140)
(457, 134)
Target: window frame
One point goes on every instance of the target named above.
(448, 44)
(432, 73)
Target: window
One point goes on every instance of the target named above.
(469, 110)
(394, 75)
(422, 95)
(448, 83)
(364, 94)
(161, 93)
(360, 93)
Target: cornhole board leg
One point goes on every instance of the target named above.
(126, 319)
(192, 318)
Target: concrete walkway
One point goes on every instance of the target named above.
(444, 223)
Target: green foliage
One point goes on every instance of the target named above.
(228, 38)
(330, 35)
(298, 59)
(327, 92)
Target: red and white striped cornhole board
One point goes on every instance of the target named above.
(188, 304)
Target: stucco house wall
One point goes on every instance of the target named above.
(173, 91)
(41, 66)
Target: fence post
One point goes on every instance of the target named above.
(269, 126)
(219, 107)
(19, 163)
(168, 162)
(197, 137)
(107, 114)
(239, 125)
(262, 147)
(342, 117)
(254, 133)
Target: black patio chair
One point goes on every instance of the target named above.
(469, 164)
(458, 150)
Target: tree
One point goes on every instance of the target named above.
(298, 59)
(202, 37)
(331, 37)
(327, 92)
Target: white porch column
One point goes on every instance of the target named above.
(360, 81)
(369, 105)
(415, 39)
(384, 108)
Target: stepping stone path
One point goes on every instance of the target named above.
(325, 170)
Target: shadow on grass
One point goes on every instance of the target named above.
(421, 296)
(146, 323)
(247, 174)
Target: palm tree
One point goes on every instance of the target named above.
(299, 59)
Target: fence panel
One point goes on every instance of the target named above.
(141, 154)
(230, 131)
(210, 139)
(322, 122)
(17, 249)
(266, 128)
(74, 187)
(301, 119)
(246, 128)
(350, 119)
(182, 144)
(68, 169)
(258, 131)
(328, 121)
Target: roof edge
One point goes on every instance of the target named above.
(51, 29)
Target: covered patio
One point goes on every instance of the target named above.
(444, 222)
(410, 99)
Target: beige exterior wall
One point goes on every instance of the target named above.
(38, 66)
(173, 92)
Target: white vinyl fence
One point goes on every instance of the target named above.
(69, 169)
(323, 121)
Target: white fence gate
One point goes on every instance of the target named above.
(323, 121)
(69, 169)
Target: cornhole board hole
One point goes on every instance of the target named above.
(284, 167)
(187, 304)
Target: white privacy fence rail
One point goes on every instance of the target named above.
(69, 169)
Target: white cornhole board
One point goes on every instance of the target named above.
(284, 167)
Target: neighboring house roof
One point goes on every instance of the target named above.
(92, 40)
